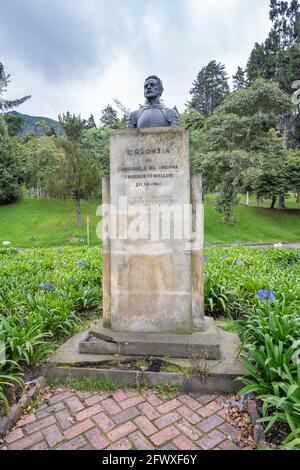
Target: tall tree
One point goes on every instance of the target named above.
(75, 177)
(239, 139)
(9, 168)
(40, 164)
(6, 105)
(278, 58)
(209, 88)
(239, 79)
(109, 117)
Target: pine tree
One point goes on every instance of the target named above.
(6, 105)
(278, 58)
(239, 79)
(210, 88)
(109, 117)
(9, 170)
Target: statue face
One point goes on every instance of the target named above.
(151, 88)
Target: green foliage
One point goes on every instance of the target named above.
(239, 79)
(240, 148)
(14, 124)
(109, 117)
(31, 125)
(9, 169)
(90, 123)
(210, 88)
(278, 58)
(6, 105)
(41, 159)
(9, 378)
(271, 346)
(167, 390)
(96, 144)
(76, 177)
(102, 384)
(43, 295)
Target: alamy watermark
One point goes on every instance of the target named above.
(152, 222)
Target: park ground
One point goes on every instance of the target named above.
(34, 223)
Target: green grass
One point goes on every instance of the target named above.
(86, 384)
(33, 223)
(167, 390)
(255, 224)
(51, 223)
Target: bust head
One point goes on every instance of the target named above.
(153, 87)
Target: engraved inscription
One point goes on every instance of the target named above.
(150, 171)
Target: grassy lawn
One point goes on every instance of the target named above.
(49, 223)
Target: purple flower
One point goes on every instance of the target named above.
(81, 264)
(224, 257)
(266, 294)
(58, 249)
(47, 286)
(240, 263)
(206, 258)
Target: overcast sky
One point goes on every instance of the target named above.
(78, 55)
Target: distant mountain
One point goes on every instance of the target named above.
(34, 124)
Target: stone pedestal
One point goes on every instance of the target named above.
(152, 247)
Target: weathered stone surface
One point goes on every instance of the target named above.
(151, 344)
(151, 279)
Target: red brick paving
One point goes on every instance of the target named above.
(124, 420)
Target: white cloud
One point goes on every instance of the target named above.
(110, 50)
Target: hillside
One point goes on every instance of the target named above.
(30, 124)
(42, 223)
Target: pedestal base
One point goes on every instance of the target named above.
(100, 340)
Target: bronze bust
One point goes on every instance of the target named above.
(153, 113)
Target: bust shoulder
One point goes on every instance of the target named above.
(133, 118)
(171, 116)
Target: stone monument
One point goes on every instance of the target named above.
(152, 242)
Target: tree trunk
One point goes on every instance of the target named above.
(282, 201)
(273, 202)
(78, 209)
(298, 198)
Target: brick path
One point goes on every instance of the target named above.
(124, 420)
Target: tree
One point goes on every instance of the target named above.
(14, 124)
(292, 171)
(239, 79)
(9, 170)
(124, 112)
(278, 58)
(210, 88)
(239, 138)
(96, 144)
(75, 176)
(40, 164)
(109, 117)
(90, 123)
(6, 105)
